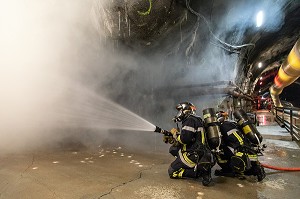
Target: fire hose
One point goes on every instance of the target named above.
(280, 168)
(274, 167)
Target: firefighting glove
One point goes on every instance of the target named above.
(168, 139)
(174, 132)
(165, 139)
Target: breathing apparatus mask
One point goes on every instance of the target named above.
(221, 116)
(184, 109)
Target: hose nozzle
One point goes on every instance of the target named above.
(162, 131)
(158, 130)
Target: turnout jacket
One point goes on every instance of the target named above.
(231, 136)
(233, 139)
(191, 132)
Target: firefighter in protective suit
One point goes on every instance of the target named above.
(192, 158)
(236, 157)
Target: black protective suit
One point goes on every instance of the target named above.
(232, 140)
(191, 152)
(237, 157)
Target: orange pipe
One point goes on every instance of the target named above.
(287, 74)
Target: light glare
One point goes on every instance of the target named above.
(259, 18)
(259, 65)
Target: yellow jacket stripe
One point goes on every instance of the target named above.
(239, 138)
(185, 160)
(251, 157)
(179, 140)
(178, 174)
(202, 135)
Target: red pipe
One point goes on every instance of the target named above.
(280, 168)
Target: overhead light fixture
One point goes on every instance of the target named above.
(260, 78)
(259, 18)
(259, 65)
(259, 91)
(260, 83)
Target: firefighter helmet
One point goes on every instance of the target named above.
(184, 109)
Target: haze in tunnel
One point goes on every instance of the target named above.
(50, 55)
(54, 61)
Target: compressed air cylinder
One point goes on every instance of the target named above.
(213, 133)
(248, 127)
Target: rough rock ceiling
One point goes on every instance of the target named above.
(227, 24)
(272, 48)
(136, 21)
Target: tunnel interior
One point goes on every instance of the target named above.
(192, 33)
(144, 55)
(89, 92)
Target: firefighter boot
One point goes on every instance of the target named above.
(260, 172)
(206, 177)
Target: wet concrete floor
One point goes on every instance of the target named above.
(109, 172)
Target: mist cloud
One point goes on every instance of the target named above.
(52, 55)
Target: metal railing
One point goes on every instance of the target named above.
(288, 117)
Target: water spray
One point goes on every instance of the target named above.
(88, 109)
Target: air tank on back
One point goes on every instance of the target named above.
(213, 133)
(248, 127)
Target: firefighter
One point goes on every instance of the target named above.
(232, 139)
(192, 151)
(236, 157)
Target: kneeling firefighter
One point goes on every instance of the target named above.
(236, 158)
(193, 158)
(252, 147)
